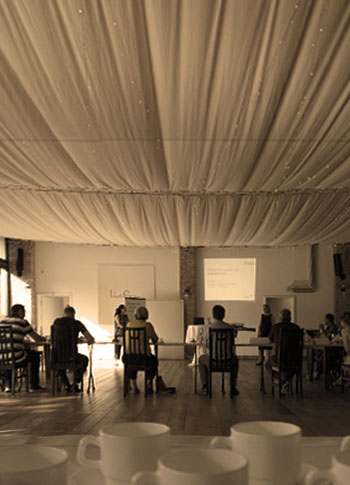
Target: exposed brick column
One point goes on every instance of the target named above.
(342, 287)
(28, 272)
(187, 283)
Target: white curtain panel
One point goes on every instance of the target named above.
(169, 122)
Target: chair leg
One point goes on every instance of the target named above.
(279, 385)
(145, 384)
(27, 378)
(223, 383)
(209, 385)
(53, 382)
(125, 390)
(13, 381)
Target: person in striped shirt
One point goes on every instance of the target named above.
(21, 328)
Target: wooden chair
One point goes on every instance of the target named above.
(63, 357)
(345, 376)
(18, 370)
(221, 341)
(289, 362)
(135, 354)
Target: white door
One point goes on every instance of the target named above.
(49, 308)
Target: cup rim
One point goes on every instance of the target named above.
(163, 429)
(228, 453)
(290, 429)
(51, 449)
(338, 461)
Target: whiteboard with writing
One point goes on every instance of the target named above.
(229, 279)
(119, 281)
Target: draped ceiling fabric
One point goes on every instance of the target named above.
(168, 122)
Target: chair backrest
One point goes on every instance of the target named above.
(289, 344)
(63, 345)
(221, 341)
(135, 345)
(7, 353)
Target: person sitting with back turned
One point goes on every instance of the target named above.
(294, 333)
(141, 316)
(218, 313)
(61, 326)
(21, 328)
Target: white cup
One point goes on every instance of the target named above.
(29, 464)
(272, 448)
(339, 473)
(126, 448)
(197, 466)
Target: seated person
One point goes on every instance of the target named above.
(345, 335)
(218, 313)
(294, 334)
(62, 326)
(141, 316)
(22, 328)
(329, 329)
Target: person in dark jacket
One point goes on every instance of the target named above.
(120, 321)
(264, 330)
(65, 326)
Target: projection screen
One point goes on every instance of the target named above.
(229, 279)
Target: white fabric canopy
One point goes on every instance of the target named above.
(168, 122)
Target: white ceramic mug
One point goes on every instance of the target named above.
(29, 464)
(197, 466)
(272, 448)
(339, 473)
(126, 448)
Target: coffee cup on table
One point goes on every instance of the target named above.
(32, 464)
(339, 473)
(272, 448)
(197, 466)
(125, 449)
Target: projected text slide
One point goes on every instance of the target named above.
(229, 279)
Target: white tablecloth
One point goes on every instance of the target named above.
(316, 451)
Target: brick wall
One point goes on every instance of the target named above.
(28, 273)
(342, 287)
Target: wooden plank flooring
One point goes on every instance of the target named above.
(319, 413)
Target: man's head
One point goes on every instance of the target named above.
(17, 311)
(141, 313)
(218, 312)
(69, 312)
(329, 318)
(285, 315)
(266, 309)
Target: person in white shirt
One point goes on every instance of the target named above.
(218, 313)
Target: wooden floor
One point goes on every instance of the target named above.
(319, 413)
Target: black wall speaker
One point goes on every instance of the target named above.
(338, 266)
(19, 262)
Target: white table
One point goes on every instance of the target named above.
(316, 451)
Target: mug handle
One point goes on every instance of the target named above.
(223, 442)
(146, 478)
(83, 444)
(313, 476)
(345, 444)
